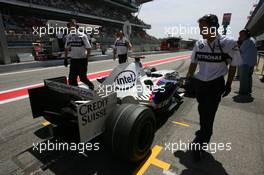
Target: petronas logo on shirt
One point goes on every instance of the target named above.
(209, 57)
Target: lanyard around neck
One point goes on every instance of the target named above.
(212, 48)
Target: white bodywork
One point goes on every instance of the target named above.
(128, 80)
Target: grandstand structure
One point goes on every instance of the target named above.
(255, 24)
(18, 17)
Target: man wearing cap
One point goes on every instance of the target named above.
(216, 56)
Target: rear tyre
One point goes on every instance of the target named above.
(130, 131)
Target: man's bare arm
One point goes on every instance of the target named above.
(231, 74)
(191, 70)
(114, 53)
(66, 52)
(129, 45)
(88, 52)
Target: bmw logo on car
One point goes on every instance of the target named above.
(125, 80)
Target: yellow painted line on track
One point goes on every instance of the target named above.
(180, 123)
(45, 123)
(152, 160)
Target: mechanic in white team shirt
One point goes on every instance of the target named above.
(78, 45)
(216, 56)
(121, 47)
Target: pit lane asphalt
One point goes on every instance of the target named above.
(238, 123)
(34, 76)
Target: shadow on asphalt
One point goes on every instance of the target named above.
(243, 99)
(163, 116)
(72, 162)
(208, 165)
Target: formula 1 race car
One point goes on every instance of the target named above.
(157, 89)
(122, 109)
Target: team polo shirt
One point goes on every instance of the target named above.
(121, 46)
(78, 42)
(213, 59)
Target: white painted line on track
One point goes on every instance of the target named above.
(13, 99)
(34, 85)
(47, 68)
(55, 67)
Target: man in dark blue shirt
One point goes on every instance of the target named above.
(248, 52)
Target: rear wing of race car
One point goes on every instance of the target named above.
(42, 98)
(65, 105)
(129, 128)
(55, 94)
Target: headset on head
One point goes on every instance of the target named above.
(211, 19)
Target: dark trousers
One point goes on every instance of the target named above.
(208, 95)
(245, 78)
(61, 44)
(122, 58)
(78, 67)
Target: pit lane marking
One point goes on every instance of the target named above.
(47, 68)
(46, 123)
(13, 94)
(54, 67)
(180, 123)
(21, 92)
(152, 160)
(150, 63)
(41, 84)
